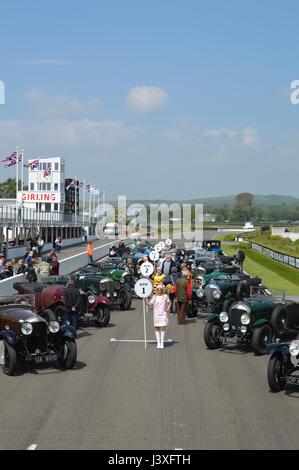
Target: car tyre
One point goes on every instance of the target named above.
(212, 341)
(48, 315)
(59, 313)
(103, 316)
(262, 336)
(274, 373)
(227, 304)
(10, 357)
(126, 299)
(67, 353)
(278, 319)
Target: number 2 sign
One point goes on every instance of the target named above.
(147, 269)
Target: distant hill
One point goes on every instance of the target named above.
(258, 200)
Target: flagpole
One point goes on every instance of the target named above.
(98, 213)
(22, 174)
(75, 200)
(17, 179)
(89, 215)
(83, 201)
(22, 183)
(104, 202)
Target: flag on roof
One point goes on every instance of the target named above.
(12, 157)
(47, 172)
(32, 165)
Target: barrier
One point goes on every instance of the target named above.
(276, 255)
(19, 251)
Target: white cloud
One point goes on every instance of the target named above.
(250, 138)
(247, 136)
(146, 99)
(223, 132)
(44, 62)
(41, 104)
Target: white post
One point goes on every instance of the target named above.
(144, 322)
(83, 201)
(22, 184)
(98, 213)
(75, 200)
(17, 181)
(22, 174)
(89, 211)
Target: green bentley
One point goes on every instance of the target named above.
(254, 321)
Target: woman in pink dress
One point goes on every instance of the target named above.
(161, 305)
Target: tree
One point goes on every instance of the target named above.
(244, 200)
(8, 188)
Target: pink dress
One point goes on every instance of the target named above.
(160, 304)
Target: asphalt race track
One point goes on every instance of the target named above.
(123, 397)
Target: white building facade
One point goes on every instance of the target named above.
(46, 186)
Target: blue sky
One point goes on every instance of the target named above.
(164, 96)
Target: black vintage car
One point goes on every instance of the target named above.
(119, 293)
(283, 366)
(250, 321)
(25, 336)
(222, 292)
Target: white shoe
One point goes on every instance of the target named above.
(158, 339)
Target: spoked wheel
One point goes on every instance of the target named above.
(279, 319)
(262, 336)
(125, 299)
(275, 374)
(10, 360)
(67, 353)
(103, 316)
(212, 335)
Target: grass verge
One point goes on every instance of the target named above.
(274, 275)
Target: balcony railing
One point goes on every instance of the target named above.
(12, 215)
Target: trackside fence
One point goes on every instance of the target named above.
(292, 261)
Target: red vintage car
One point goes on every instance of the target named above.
(49, 300)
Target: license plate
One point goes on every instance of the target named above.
(48, 358)
(291, 380)
(232, 340)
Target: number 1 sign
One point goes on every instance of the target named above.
(143, 288)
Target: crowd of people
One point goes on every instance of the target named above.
(34, 264)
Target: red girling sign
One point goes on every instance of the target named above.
(39, 197)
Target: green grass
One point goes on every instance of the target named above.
(228, 237)
(277, 243)
(275, 275)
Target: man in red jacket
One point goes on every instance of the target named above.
(183, 293)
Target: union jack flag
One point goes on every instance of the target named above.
(11, 158)
(32, 165)
(72, 185)
(47, 172)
